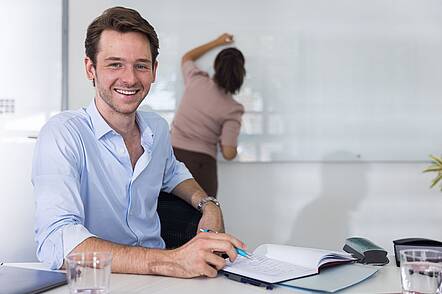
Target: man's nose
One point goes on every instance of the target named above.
(129, 76)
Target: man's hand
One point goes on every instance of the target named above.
(198, 256)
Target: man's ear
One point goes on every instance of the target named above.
(154, 71)
(90, 69)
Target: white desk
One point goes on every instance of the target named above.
(386, 280)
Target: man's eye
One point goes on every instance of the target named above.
(115, 65)
(141, 67)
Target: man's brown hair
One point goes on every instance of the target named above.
(122, 20)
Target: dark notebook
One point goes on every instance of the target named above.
(15, 280)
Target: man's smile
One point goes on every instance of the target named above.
(126, 92)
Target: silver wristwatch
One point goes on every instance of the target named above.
(204, 201)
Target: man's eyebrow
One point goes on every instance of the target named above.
(122, 59)
(144, 60)
(114, 58)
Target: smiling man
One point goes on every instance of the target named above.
(98, 171)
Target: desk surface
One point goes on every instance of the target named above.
(386, 280)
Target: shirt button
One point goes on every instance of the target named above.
(122, 150)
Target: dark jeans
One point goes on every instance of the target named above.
(203, 168)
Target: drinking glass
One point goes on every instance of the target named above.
(89, 272)
(421, 271)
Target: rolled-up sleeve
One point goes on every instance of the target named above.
(59, 215)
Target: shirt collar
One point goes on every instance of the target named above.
(99, 125)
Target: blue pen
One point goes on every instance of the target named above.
(243, 253)
(238, 250)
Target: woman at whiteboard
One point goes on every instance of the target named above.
(208, 115)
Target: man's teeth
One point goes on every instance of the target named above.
(126, 92)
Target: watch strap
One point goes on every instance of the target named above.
(206, 200)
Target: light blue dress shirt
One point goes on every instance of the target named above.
(85, 185)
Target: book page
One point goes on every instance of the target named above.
(306, 257)
(265, 269)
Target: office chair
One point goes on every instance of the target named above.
(179, 220)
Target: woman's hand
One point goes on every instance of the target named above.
(224, 39)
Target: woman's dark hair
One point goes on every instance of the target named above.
(122, 20)
(229, 70)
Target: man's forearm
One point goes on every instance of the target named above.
(212, 217)
(195, 258)
(190, 191)
(133, 260)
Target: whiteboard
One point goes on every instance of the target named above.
(323, 77)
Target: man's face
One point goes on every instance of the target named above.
(123, 72)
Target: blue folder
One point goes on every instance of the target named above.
(333, 279)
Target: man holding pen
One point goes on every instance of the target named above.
(97, 172)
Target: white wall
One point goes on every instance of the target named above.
(320, 204)
(17, 202)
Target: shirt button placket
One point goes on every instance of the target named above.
(130, 214)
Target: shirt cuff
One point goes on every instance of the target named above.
(74, 235)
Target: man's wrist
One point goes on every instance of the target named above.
(161, 262)
(208, 201)
(211, 207)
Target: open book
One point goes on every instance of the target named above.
(272, 263)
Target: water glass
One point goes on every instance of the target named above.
(421, 271)
(89, 272)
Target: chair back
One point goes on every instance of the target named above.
(179, 220)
